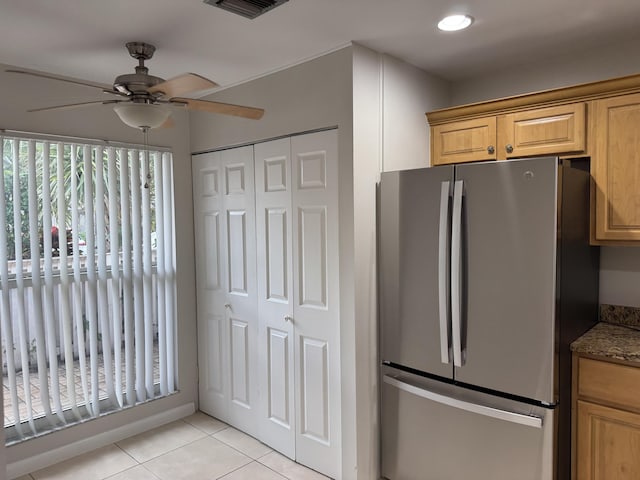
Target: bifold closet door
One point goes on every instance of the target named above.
(316, 312)
(275, 294)
(211, 291)
(226, 260)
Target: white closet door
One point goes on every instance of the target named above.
(237, 174)
(211, 274)
(316, 313)
(275, 294)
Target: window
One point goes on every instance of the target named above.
(86, 279)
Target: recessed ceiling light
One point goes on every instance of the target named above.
(455, 22)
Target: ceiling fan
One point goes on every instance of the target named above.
(143, 100)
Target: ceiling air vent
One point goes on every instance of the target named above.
(246, 8)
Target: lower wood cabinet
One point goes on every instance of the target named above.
(608, 443)
(606, 419)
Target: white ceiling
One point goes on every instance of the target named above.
(85, 38)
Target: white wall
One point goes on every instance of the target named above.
(606, 61)
(19, 93)
(619, 266)
(315, 94)
(367, 164)
(408, 93)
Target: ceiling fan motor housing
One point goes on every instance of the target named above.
(136, 83)
(246, 8)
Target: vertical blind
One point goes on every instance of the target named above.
(87, 280)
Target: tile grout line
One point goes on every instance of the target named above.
(275, 471)
(236, 469)
(126, 453)
(237, 449)
(164, 453)
(118, 473)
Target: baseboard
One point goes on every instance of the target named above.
(56, 455)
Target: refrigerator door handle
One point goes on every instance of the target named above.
(443, 273)
(456, 273)
(513, 417)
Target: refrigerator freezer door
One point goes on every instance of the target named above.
(509, 273)
(412, 254)
(460, 434)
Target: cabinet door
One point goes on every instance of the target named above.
(316, 314)
(543, 131)
(616, 167)
(466, 141)
(275, 295)
(608, 443)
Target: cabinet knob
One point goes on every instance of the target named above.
(509, 148)
(227, 305)
(491, 149)
(288, 318)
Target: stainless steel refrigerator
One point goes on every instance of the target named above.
(485, 278)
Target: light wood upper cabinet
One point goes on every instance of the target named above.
(615, 166)
(466, 141)
(607, 420)
(543, 131)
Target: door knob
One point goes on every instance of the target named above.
(288, 318)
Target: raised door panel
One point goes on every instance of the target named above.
(240, 303)
(312, 235)
(316, 312)
(543, 131)
(278, 378)
(314, 390)
(240, 363)
(237, 251)
(608, 443)
(465, 141)
(275, 294)
(211, 269)
(616, 167)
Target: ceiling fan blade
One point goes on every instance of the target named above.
(168, 123)
(183, 84)
(107, 88)
(217, 107)
(74, 105)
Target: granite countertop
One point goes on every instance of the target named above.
(616, 336)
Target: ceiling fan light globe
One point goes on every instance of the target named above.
(142, 115)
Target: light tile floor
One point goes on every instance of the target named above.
(197, 447)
